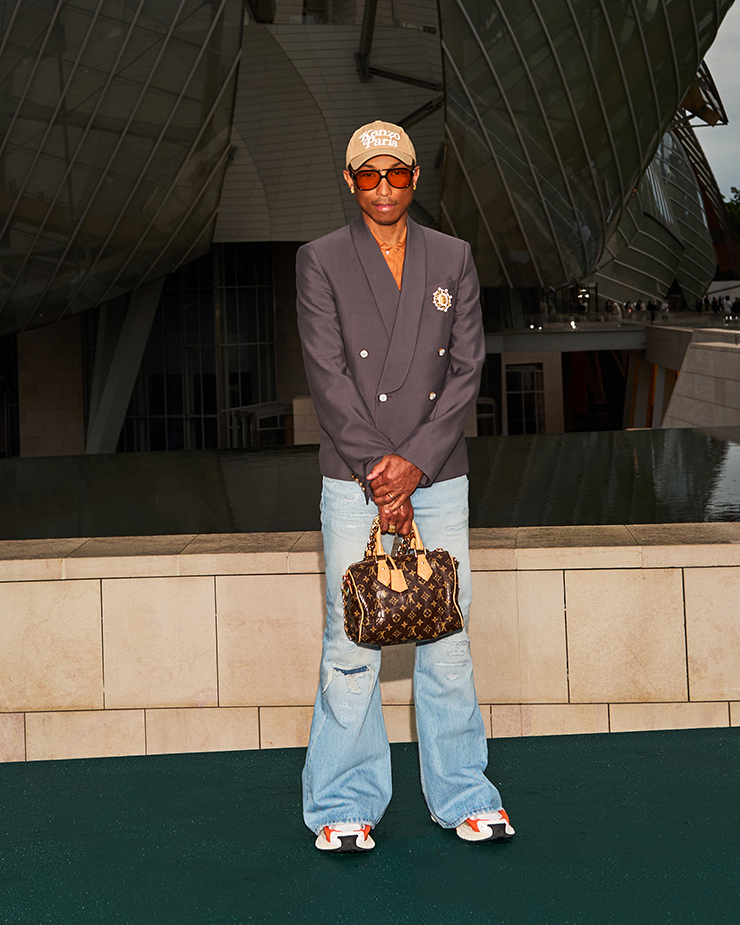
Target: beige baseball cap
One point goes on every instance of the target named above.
(379, 138)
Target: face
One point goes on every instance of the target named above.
(384, 205)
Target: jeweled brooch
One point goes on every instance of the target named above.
(442, 300)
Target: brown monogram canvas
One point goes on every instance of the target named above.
(376, 615)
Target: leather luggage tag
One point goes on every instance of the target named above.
(423, 568)
(384, 573)
(398, 580)
(392, 577)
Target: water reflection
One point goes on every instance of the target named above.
(662, 476)
(723, 500)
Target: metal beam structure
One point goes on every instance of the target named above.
(121, 343)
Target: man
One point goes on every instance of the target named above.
(390, 322)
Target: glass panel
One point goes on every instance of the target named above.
(99, 184)
(553, 113)
(178, 374)
(525, 399)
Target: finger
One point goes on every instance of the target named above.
(394, 506)
(381, 482)
(385, 494)
(409, 524)
(401, 518)
(378, 468)
(404, 527)
(385, 519)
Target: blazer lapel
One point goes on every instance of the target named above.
(410, 306)
(378, 274)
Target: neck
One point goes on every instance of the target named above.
(388, 234)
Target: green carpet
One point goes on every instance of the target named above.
(635, 827)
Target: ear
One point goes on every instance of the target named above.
(417, 171)
(348, 180)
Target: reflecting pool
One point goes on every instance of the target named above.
(622, 477)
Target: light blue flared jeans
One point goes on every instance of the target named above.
(347, 775)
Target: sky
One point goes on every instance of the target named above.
(722, 142)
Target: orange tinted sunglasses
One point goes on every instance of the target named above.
(398, 177)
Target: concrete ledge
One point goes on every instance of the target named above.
(151, 645)
(492, 549)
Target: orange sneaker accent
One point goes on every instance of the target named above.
(328, 830)
(473, 823)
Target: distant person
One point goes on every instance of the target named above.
(652, 309)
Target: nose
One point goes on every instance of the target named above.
(384, 187)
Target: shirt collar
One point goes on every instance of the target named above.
(400, 246)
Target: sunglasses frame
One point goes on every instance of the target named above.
(383, 175)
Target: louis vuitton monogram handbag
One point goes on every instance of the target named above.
(409, 597)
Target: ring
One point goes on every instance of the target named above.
(391, 528)
(392, 497)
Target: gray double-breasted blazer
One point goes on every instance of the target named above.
(390, 371)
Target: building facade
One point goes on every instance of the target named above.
(161, 161)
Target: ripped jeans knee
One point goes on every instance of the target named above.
(450, 658)
(355, 680)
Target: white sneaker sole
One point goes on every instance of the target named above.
(489, 831)
(352, 843)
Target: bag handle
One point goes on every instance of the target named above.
(388, 572)
(412, 542)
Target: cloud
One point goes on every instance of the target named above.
(722, 143)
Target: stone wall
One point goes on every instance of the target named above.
(131, 645)
(707, 392)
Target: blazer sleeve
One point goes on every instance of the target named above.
(432, 441)
(341, 410)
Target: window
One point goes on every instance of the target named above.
(211, 349)
(525, 398)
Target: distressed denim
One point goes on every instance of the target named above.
(347, 775)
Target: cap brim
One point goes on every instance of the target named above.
(361, 159)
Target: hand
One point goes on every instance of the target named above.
(402, 518)
(393, 481)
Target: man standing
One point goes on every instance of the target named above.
(390, 323)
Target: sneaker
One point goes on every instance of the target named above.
(345, 837)
(486, 827)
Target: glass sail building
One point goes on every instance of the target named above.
(161, 161)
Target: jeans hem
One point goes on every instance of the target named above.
(469, 814)
(352, 821)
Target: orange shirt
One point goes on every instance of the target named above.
(394, 254)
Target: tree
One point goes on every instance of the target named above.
(733, 209)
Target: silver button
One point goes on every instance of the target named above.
(441, 351)
(432, 396)
(383, 397)
(363, 353)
